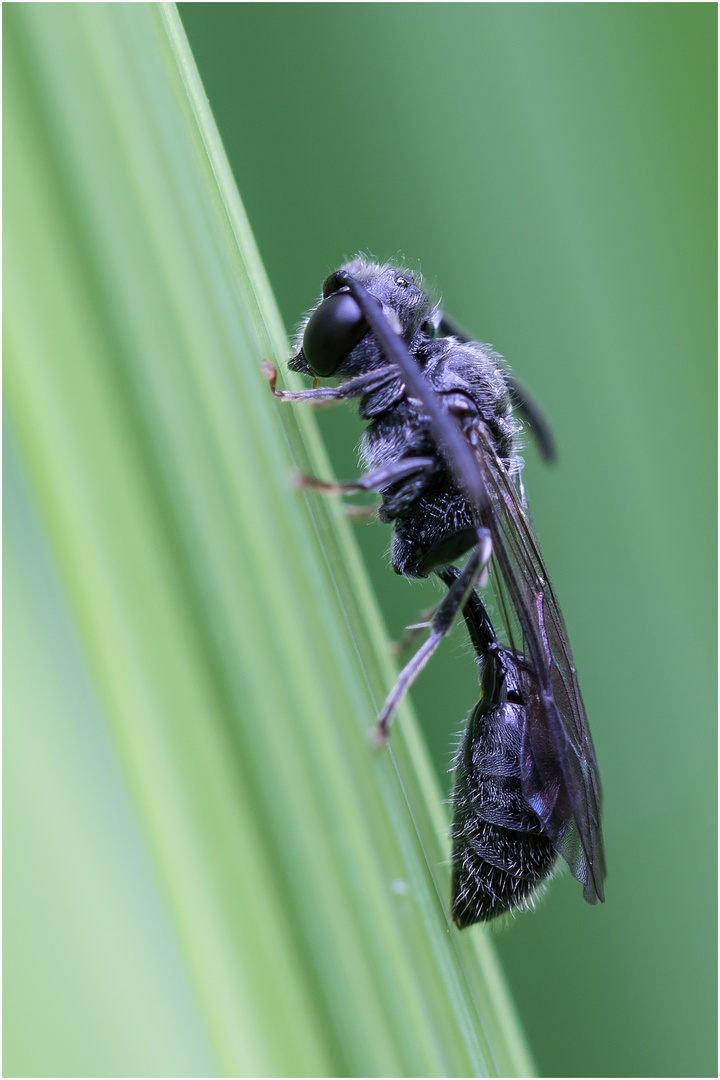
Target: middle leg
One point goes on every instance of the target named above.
(374, 481)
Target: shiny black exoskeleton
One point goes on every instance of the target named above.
(500, 856)
(441, 446)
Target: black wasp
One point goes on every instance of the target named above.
(441, 449)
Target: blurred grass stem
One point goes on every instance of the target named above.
(214, 626)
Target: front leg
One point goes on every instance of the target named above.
(329, 395)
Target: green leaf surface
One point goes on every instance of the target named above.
(209, 868)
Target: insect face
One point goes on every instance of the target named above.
(337, 325)
(333, 330)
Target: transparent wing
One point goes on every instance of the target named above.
(559, 770)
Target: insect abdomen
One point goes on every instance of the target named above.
(500, 855)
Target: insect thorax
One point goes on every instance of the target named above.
(434, 524)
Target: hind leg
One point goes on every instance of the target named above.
(442, 622)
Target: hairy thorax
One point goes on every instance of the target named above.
(433, 522)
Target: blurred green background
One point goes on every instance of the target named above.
(551, 167)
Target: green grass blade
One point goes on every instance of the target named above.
(218, 626)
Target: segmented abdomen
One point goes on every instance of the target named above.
(500, 856)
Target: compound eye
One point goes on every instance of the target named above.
(428, 328)
(332, 332)
(332, 285)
